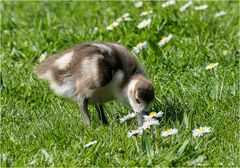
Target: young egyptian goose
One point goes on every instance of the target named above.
(95, 73)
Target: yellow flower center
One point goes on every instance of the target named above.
(164, 38)
(211, 65)
(169, 131)
(152, 114)
(201, 129)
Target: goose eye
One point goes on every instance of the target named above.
(138, 101)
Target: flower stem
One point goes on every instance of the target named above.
(214, 73)
(136, 143)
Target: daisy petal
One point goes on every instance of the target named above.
(168, 3)
(221, 13)
(134, 132)
(139, 47)
(138, 4)
(202, 7)
(187, 5)
(127, 117)
(169, 132)
(165, 40)
(211, 66)
(144, 23)
(201, 131)
(90, 144)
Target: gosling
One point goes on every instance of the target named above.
(95, 73)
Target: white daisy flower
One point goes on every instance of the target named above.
(89, 144)
(119, 19)
(138, 4)
(145, 13)
(157, 115)
(153, 115)
(3, 156)
(221, 13)
(168, 3)
(127, 117)
(165, 40)
(202, 7)
(112, 25)
(127, 19)
(96, 29)
(42, 57)
(225, 52)
(134, 132)
(148, 123)
(144, 127)
(187, 5)
(211, 66)
(169, 132)
(125, 15)
(201, 131)
(144, 23)
(139, 47)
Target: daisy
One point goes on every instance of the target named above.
(156, 115)
(145, 13)
(153, 115)
(144, 23)
(187, 5)
(127, 19)
(169, 2)
(127, 117)
(3, 156)
(42, 57)
(95, 28)
(169, 132)
(150, 122)
(139, 47)
(112, 25)
(211, 66)
(125, 15)
(221, 13)
(165, 40)
(119, 19)
(134, 132)
(138, 4)
(225, 52)
(202, 7)
(201, 131)
(89, 144)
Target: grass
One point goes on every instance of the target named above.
(40, 129)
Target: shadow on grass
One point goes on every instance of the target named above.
(172, 107)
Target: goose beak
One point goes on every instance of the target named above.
(144, 112)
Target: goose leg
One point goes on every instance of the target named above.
(101, 115)
(84, 110)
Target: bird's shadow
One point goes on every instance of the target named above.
(173, 109)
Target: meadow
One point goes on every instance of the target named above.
(40, 129)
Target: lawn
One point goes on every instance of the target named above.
(41, 129)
